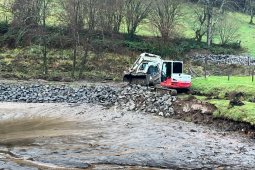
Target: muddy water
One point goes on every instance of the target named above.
(62, 136)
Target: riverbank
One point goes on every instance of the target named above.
(86, 135)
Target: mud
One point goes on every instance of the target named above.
(62, 136)
(199, 112)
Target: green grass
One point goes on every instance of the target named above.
(245, 113)
(246, 32)
(219, 85)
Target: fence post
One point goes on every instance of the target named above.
(253, 75)
(205, 66)
(229, 72)
(249, 63)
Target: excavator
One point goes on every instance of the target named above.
(152, 70)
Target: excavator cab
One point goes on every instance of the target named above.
(150, 69)
(166, 71)
(172, 75)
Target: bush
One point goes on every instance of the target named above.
(4, 27)
(222, 50)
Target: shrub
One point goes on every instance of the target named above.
(4, 27)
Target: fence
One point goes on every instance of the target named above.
(223, 65)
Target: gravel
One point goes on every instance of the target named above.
(129, 98)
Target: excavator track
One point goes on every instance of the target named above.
(164, 90)
(143, 80)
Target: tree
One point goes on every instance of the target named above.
(200, 25)
(118, 15)
(74, 13)
(227, 30)
(165, 15)
(30, 17)
(213, 10)
(110, 15)
(91, 13)
(251, 9)
(45, 12)
(26, 12)
(136, 11)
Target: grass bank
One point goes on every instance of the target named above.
(218, 86)
(26, 63)
(245, 113)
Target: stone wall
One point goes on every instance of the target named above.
(225, 59)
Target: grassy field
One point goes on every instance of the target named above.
(219, 86)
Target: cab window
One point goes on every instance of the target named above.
(153, 70)
(177, 68)
(143, 66)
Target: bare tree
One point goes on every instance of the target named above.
(30, 16)
(90, 13)
(200, 22)
(45, 13)
(165, 15)
(74, 15)
(213, 10)
(110, 15)
(136, 11)
(251, 9)
(118, 15)
(26, 12)
(227, 30)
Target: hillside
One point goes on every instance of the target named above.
(246, 31)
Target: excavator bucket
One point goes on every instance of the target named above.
(141, 79)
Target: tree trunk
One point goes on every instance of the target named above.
(74, 59)
(131, 31)
(84, 59)
(209, 23)
(199, 36)
(252, 16)
(75, 36)
(45, 60)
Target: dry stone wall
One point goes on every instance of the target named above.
(225, 59)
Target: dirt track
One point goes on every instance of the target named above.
(62, 136)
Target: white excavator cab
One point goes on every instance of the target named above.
(172, 75)
(150, 69)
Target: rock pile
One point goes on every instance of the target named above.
(130, 98)
(53, 94)
(225, 59)
(141, 99)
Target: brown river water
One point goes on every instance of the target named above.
(62, 136)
